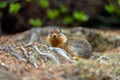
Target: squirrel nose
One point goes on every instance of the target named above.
(54, 36)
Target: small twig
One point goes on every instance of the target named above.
(28, 58)
(26, 45)
(24, 52)
(61, 52)
(14, 53)
(2, 48)
(46, 54)
(41, 40)
(31, 44)
(32, 38)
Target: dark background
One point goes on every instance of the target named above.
(20, 15)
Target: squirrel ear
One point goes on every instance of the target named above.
(60, 30)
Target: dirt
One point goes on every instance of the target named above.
(104, 68)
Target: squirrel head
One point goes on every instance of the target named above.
(55, 33)
(56, 38)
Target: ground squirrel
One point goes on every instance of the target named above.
(74, 45)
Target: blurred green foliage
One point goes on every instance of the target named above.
(43, 3)
(63, 9)
(67, 20)
(3, 4)
(110, 8)
(118, 2)
(48, 10)
(14, 8)
(80, 16)
(52, 14)
(113, 8)
(35, 22)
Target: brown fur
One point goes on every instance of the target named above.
(76, 46)
(59, 41)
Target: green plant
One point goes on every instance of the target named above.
(118, 2)
(14, 8)
(43, 3)
(80, 16)
(67, 20)
(3, 4)
(63, 9)
(110, 8)
(35, 22)
(52, 14)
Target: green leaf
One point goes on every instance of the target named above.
(80, 16)
(43, 3)
(118, 2)
(35, 22)
(67, 20)
(110, 8)
(52, 14)
(63, 9)
(3, 5)
(14, 7)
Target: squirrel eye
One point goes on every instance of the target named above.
(60, 31)
(50, 33)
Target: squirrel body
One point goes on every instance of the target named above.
(74, 45)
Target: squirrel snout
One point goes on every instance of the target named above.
(54, 36)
